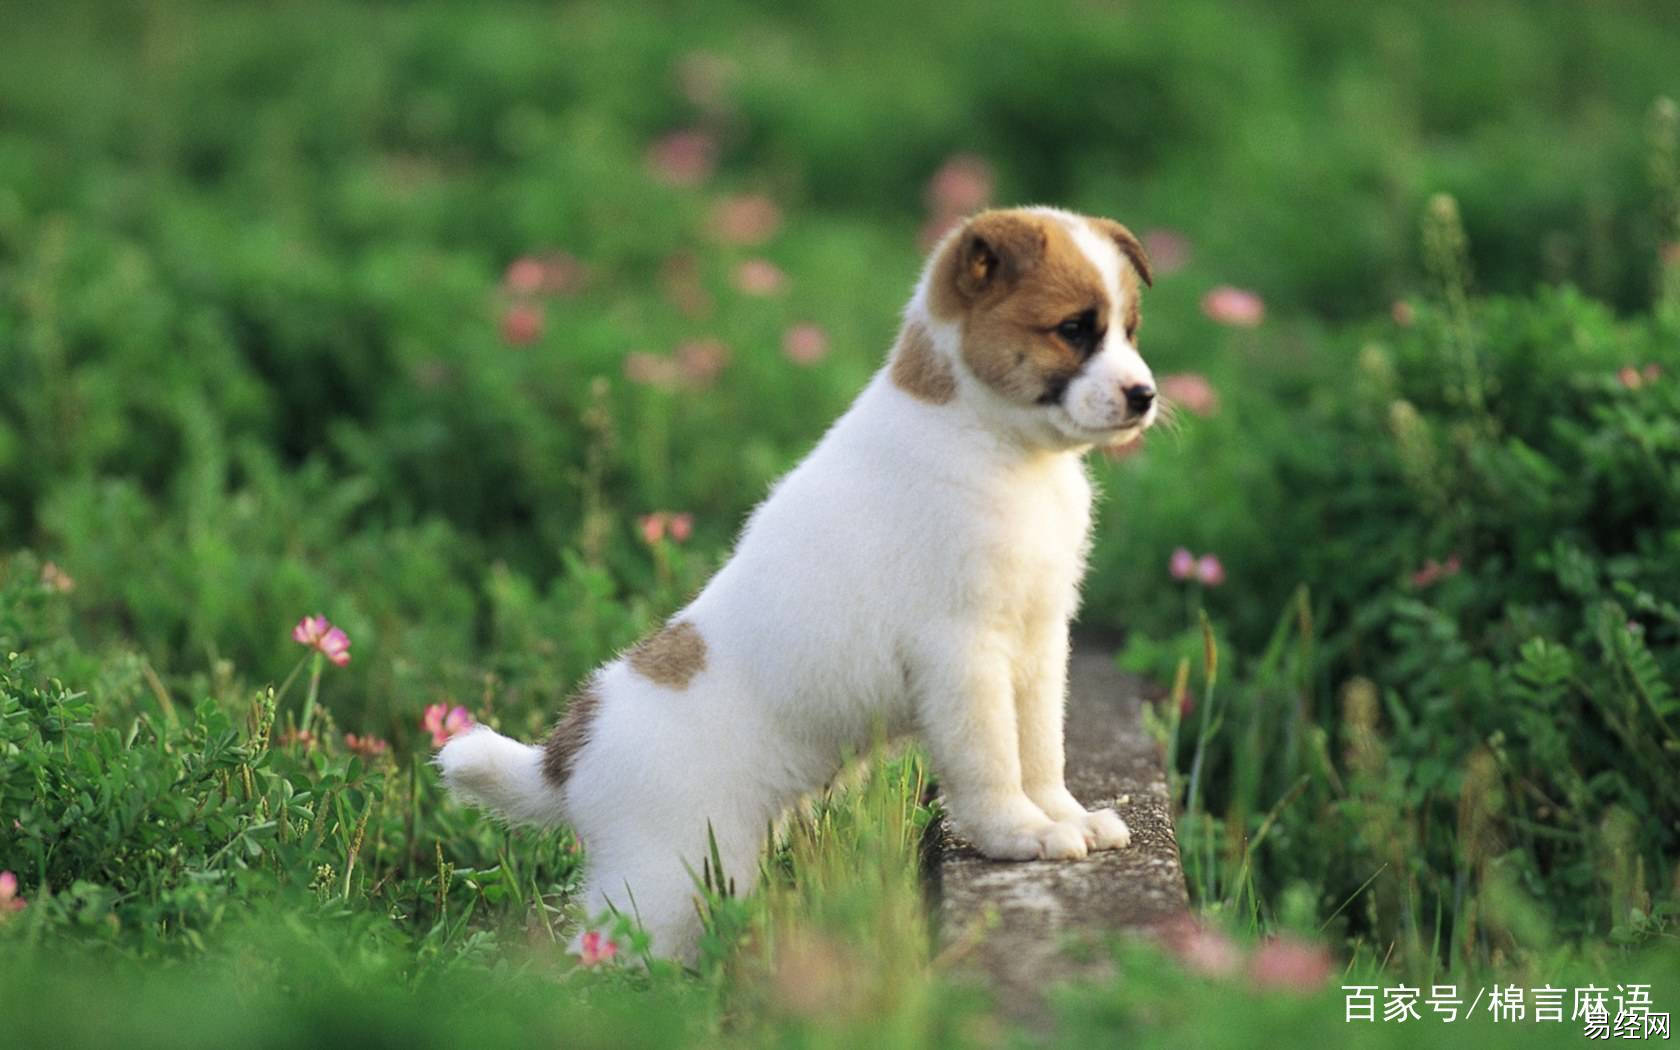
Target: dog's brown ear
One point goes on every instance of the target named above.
(992, 251)
(1129, 246)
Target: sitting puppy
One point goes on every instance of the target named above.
(916, 572)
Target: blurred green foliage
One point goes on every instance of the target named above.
(264, 352)
(1507, 718)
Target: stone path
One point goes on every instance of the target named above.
(1021, 927)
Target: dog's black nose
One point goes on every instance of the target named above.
(1139, 398)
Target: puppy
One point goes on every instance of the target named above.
(916, 572)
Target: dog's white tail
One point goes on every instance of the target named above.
(504, 776)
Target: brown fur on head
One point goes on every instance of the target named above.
(1033, 305)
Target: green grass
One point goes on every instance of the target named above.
(252, 299)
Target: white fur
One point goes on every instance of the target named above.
(916, 572)
(500, 774)
(1095, 401)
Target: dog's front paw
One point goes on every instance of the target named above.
(1048, 841)
(1105, 830)
(1101, 828)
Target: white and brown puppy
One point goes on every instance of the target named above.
(917, 572)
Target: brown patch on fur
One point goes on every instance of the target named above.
(1132, 249)
(672, 657)
(1010, 278)
(1013, 277)
(570, 734)
(985, 259)
(1134, 310)
(918, 370)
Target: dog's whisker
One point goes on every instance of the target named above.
(1169, 417)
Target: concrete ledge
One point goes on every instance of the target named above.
(1021, 926)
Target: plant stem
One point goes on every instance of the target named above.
(1210, 674)
(314, 690)
(280, 693)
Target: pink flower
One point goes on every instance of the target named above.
(682, 158)
(1433, 571)
(805, 344)
(696, 362)
(554, 273)
(650, 369)
(748, 218)
(652, 528)
(662, 523)
(9, 900)
(760, 277)
(54, 578)
(1237, 307)
(963, 184)
(1182, 564)
(1403, 313)
(294, 736)
(1190, 389)
(317, 632)
(522, 324)
(443, 722)
(559, 274)
(1206, 570)
(1202, 950)
(366, 746)
(1291, 965)
(524, 275)
(1169, 251)
(311, 629)
(596, 949)
(700, 360)
(1634, 378)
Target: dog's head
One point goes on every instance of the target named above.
(1040, 307)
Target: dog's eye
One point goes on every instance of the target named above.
(1079, 331)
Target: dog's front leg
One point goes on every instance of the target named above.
(967, 714)
(1040, 702)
